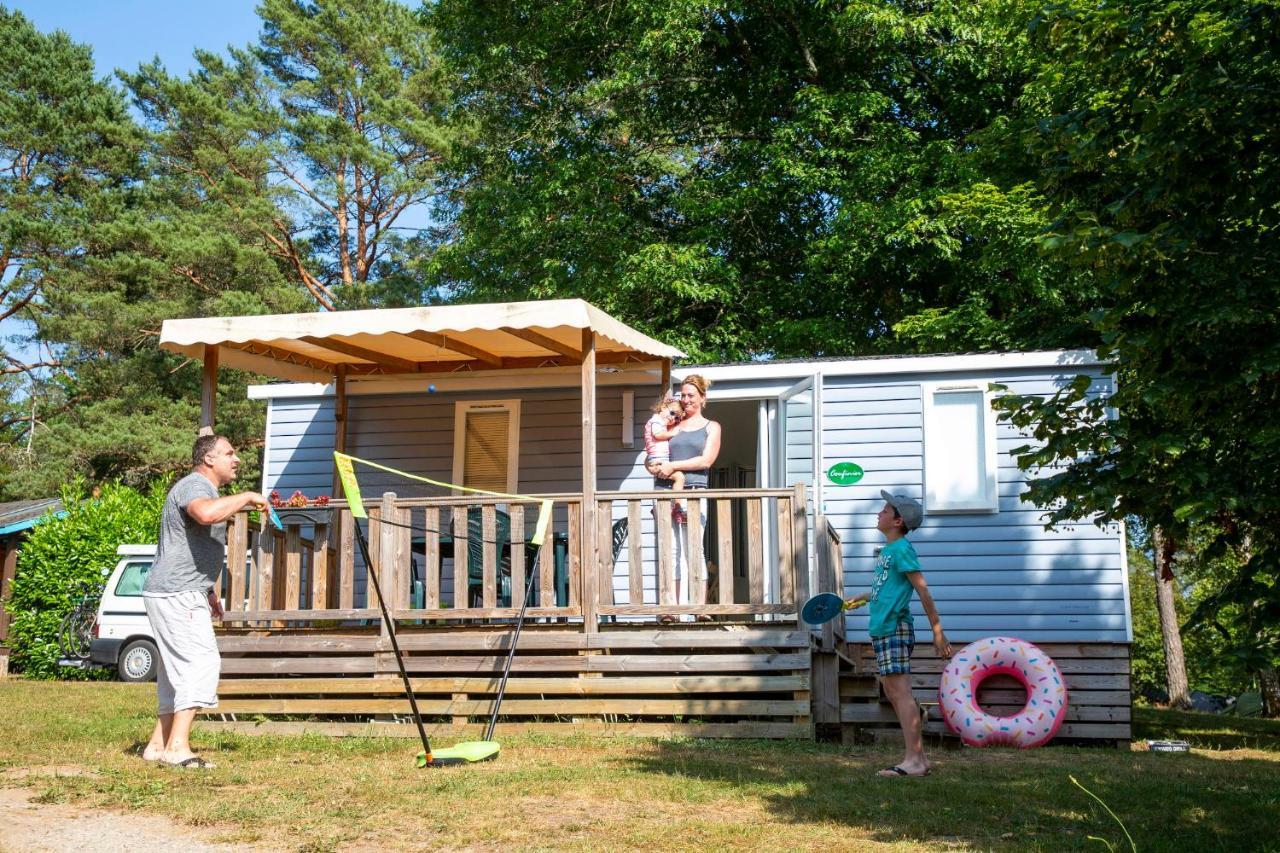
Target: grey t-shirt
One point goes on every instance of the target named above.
(190, 555)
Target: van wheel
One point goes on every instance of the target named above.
(138, 661)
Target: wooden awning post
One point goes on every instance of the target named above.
(339, 422)
(590, 556)
(209, 391)
(666, 376)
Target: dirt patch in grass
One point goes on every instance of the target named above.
(33, 824)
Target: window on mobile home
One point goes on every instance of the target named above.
(959, 449)
(486, 447)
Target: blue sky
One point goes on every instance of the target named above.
(126, 33)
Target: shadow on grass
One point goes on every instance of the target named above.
(998, 799)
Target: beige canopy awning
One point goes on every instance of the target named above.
(508, 335)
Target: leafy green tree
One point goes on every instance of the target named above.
(97, 250)
(745, 180)
(317, 147)
(65, 140)
(1211, 666)
(65, 558)
(1157, 139)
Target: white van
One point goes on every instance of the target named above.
(122, 633)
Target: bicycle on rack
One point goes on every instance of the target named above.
(75, 634)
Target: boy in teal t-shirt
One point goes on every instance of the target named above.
(891, 627)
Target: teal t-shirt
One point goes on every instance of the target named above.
(891, 591)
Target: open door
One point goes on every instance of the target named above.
(797, 446)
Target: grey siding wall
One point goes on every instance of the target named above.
(989, 572)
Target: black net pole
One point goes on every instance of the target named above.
(391, 632)
(511, 653)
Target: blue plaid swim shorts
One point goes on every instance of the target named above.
(893, 653)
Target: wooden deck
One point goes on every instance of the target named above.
(306, 653)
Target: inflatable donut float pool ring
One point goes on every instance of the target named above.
(1039, 719)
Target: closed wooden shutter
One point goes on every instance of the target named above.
(485, 455)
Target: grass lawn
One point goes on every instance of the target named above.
(582, 793)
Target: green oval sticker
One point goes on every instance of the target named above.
(845, 473)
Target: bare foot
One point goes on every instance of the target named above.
(152, 753)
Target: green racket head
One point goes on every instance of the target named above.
(467, 752)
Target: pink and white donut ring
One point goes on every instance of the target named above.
(1039, 719)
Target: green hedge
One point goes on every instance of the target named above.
(63, 558)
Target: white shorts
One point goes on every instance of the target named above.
(189, 661)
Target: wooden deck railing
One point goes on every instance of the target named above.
(464, 558)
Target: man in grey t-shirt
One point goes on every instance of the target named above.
(181, 600)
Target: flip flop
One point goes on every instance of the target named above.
(898, 771)
(194, 762)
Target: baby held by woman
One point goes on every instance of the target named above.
(658, 431)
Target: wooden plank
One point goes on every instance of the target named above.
(431, 558)
(750, 729)
(385, 559)
(591, 544)
(476, 613)
(594, 686)
(404, 556)
(1080, 730)
(1119, 666)
(208, 390)
(826, 687)
(706, 638)
(1074, 681)
(292, 567)
(362, 665)
(1019, 697)
(755, 550)
(800, 540)
(604, 542)
(461, 596)
(346, 560)
(516, 513)
(719, 706)
(466, 640)
(695, 512)
(635, 568)
(613, 663)
(280, 570)
(786, 554)
(260, 593)
(300, 615)
(546, 571)
(724, 550)
(320, 568)
(575, 555)
(489, 560)
(666, 553)
(237, 552)
(285, 643)
(708, 609)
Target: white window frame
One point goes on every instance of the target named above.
(990, 503)
(460, 411)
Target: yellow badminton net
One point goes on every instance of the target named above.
(346, 466)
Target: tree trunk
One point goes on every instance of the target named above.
(1269, 681)
(1175, 665)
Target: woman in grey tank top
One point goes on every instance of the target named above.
(697, 440)
(694, 449)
